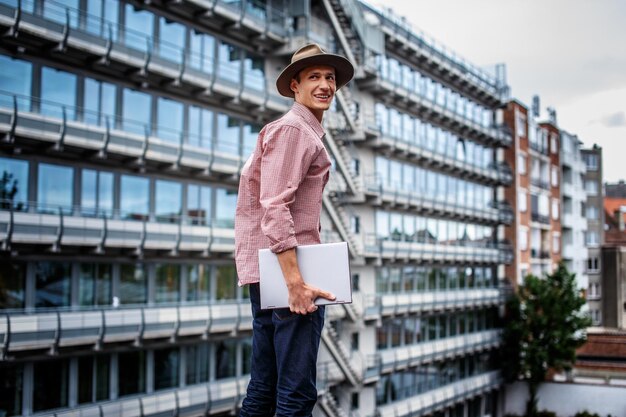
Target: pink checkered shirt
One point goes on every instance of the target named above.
(280, 190)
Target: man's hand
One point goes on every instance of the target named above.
(301, 295)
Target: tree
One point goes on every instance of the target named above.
(543, 327)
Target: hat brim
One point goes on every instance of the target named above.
(344, 71)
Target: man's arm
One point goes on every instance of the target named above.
(301, 295)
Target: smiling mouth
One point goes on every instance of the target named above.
(323, 96)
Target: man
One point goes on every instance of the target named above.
(278, 207)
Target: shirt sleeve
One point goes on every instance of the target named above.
(285, 160)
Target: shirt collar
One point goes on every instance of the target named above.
(304, 112)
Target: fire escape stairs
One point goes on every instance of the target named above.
(340, 355)
(329, 405)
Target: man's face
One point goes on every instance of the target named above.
(316, 88)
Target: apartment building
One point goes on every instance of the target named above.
(594, 237)
(125, 126)
(574, 208)
(535, 193)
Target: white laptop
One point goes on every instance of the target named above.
(325, 266)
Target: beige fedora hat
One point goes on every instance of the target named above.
(311, 55)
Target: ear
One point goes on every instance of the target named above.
(293, 85)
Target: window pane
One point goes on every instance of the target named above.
(166, 368)
(131, 368)
(57, 11)
(198, 282)
(246, 348)
(11, 380)
(134, 198)
(225, 359)
(167, 283)
(52, 284)
(226, 202)
(94, 284)
(96, 193)
(12, 285)
(254, 72)
(229, 62)
(55, 188)
(200, 127)
(15, 78)
(226, 282)
(58, 91)
(169, 119)
(136, 114)
(197, 364)
(227, 134)
(13, 184)
(168, 201)
(93, 378)
(250, 135)
(50, 384)
(199, 204)
(171, 40)
(138, 29)
(133, 284)
(202, 52)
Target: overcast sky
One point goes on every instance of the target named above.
(572, 53)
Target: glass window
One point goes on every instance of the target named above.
(55, 187)
(171, 40)
(133, 284)
(202, 51)
(250, 135)
(15, 78)
(102, 15)
(13, 184)
(169, 120)
(198, 278)
(138, 28)
(52, 284)
(591, 160)
(254, 72)
(166, 365)
(58, 92)
(12, 286)
(198, 359)
(168, 201)
(94, 284)
(167, 283)
(198, 205)
(591, 187)
(131, 368)
(134, 198)
(229, 62)
(225, 204)
(136, 112)
(225, 359)
(57, 11)
(226, 283)
(50, 384)
(99, 103)
(382, 225)
(200, 127)
(522, 201)
(228, 134)
(521, 164)
(11, 382)
(246, 350)
(93, 378)
(96, 197)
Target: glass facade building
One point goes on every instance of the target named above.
(124, 129)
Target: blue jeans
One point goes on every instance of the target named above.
(284, 361)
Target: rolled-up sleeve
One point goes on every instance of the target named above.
(285, 160)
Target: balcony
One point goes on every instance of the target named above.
(413, 200)
(409, 356)
(402, 250)
(76, 227)
(505, 212)
(539, 218)
(434, 58)
(540, 183)
(65, 327)
(432, 112)
(440, 398)
(538, 147)
(139, 58)
(419, 302)
(539, 254)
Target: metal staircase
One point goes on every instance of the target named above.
(339, 352)
(342, 159)
(329, 405)
(336, 213)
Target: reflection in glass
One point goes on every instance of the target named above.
(13, 184)
(225, 204)
(136, 112)
(131, 368)
(167, 283)
(250, 135)
(168, 202)
(225, 359)
(133, 284)
(246, 350)
(102, 15)
(254, 72)
(199, 205)
(134, 197)
(58, 93)
(171, 40)
(99, 103)
(166, 368)
(197, 358)
(15, 78)
(226, 283)
(200, 127)
(94, 284)
(93, 378)
(169, 120)
(201, 51)
(227, 134)
(12, 285)
(52, 284)
(55, 188)
(198, 278)
(11, 382)
(50, 384)
(229, 62)
(138, 28)
(96, 197)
